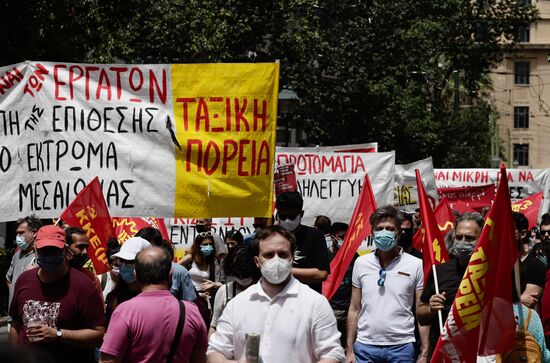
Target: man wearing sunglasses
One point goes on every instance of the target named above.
(385, 284)
(534, 270)
(465, 236)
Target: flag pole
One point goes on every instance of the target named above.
(439, 314)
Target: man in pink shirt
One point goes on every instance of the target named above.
(143, 328)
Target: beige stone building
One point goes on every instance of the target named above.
(521, 95)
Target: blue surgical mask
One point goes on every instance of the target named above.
(50, 261)
(384, 240)
(340, 242)
(21, 243)
(127, 273)
(207, 250)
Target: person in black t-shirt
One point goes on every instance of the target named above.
(311, 263)
(533, 269)
(465, 237)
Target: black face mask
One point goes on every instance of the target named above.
(50, 261)
(405, 240)
(78, 260)
(202, 228)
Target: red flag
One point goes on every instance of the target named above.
(445, 219)
(126, 227)
(469, 199)
(359, 230)
(529, 207)
(89, 211)
(481, 320)
(434, 251)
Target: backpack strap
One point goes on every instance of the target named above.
(179, 330)
(523, 325)
(526, 326)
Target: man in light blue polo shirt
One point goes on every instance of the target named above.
(386, 284)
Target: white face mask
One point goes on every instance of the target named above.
(328, 240)
(276, 270)
(291, 224)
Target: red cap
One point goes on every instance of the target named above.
(50, 236)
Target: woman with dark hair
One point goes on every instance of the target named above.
(240, 267)
(201, 264)
(233, 238)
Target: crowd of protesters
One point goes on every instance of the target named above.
(256, 297)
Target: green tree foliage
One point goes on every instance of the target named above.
(363, 70)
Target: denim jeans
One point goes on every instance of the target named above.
(366, 353)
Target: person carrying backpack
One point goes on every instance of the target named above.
(530, 345)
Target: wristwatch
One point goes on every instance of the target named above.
(59, 334)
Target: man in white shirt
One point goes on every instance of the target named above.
(295, 323)
(385, 283)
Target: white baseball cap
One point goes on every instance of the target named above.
(131, 248)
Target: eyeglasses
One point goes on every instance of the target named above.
(461, 237)
(382, 278)
(544, 233)
(205, 234)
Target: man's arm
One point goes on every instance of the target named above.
(217, 357)
(14, 331)
(107, 358)
(425, 311)
(198, 355)
(353, 318)
(328, 360)
(424, 332)
(9, 274)
(310, 275)
(82, 338)
(531, 295)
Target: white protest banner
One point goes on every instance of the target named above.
(406, 192)
(182, 232)
(330, 182)
(165, 140)
(370, 147)
(522, 182)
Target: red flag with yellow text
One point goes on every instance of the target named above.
(434, 251)
(481, 321)
(359, 230)
(445, 219)
(126, 227)
(89, 211)
(530, 207)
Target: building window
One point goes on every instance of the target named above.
(521, 73)
(521, 117)
(521, 154)
(523, 34)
